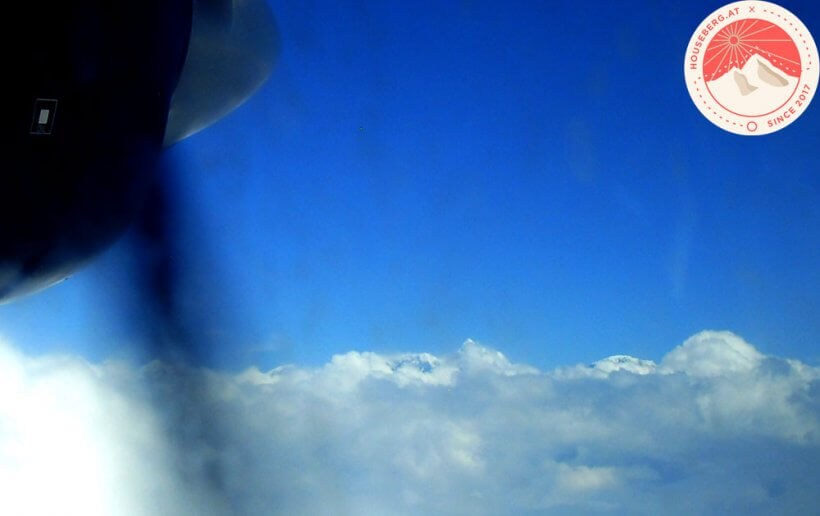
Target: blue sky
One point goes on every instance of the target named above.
(529, 175)
(534, 177)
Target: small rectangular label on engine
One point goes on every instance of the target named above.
(45, 111)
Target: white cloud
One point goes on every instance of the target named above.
(715, 427)
(713, 353)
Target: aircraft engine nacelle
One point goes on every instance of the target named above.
(90, 88)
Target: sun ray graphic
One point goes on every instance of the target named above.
(735, 44)
(748, 28)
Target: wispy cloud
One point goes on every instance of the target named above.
(714, 427)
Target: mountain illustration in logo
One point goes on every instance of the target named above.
(752, 67)
(755, 89)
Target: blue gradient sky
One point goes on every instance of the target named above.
(534, 177)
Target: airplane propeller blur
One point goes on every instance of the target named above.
(95, 90)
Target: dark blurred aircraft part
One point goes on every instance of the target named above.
(233, 49)
(87, 89)
(93, 92)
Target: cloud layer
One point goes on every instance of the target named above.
(716, 427)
